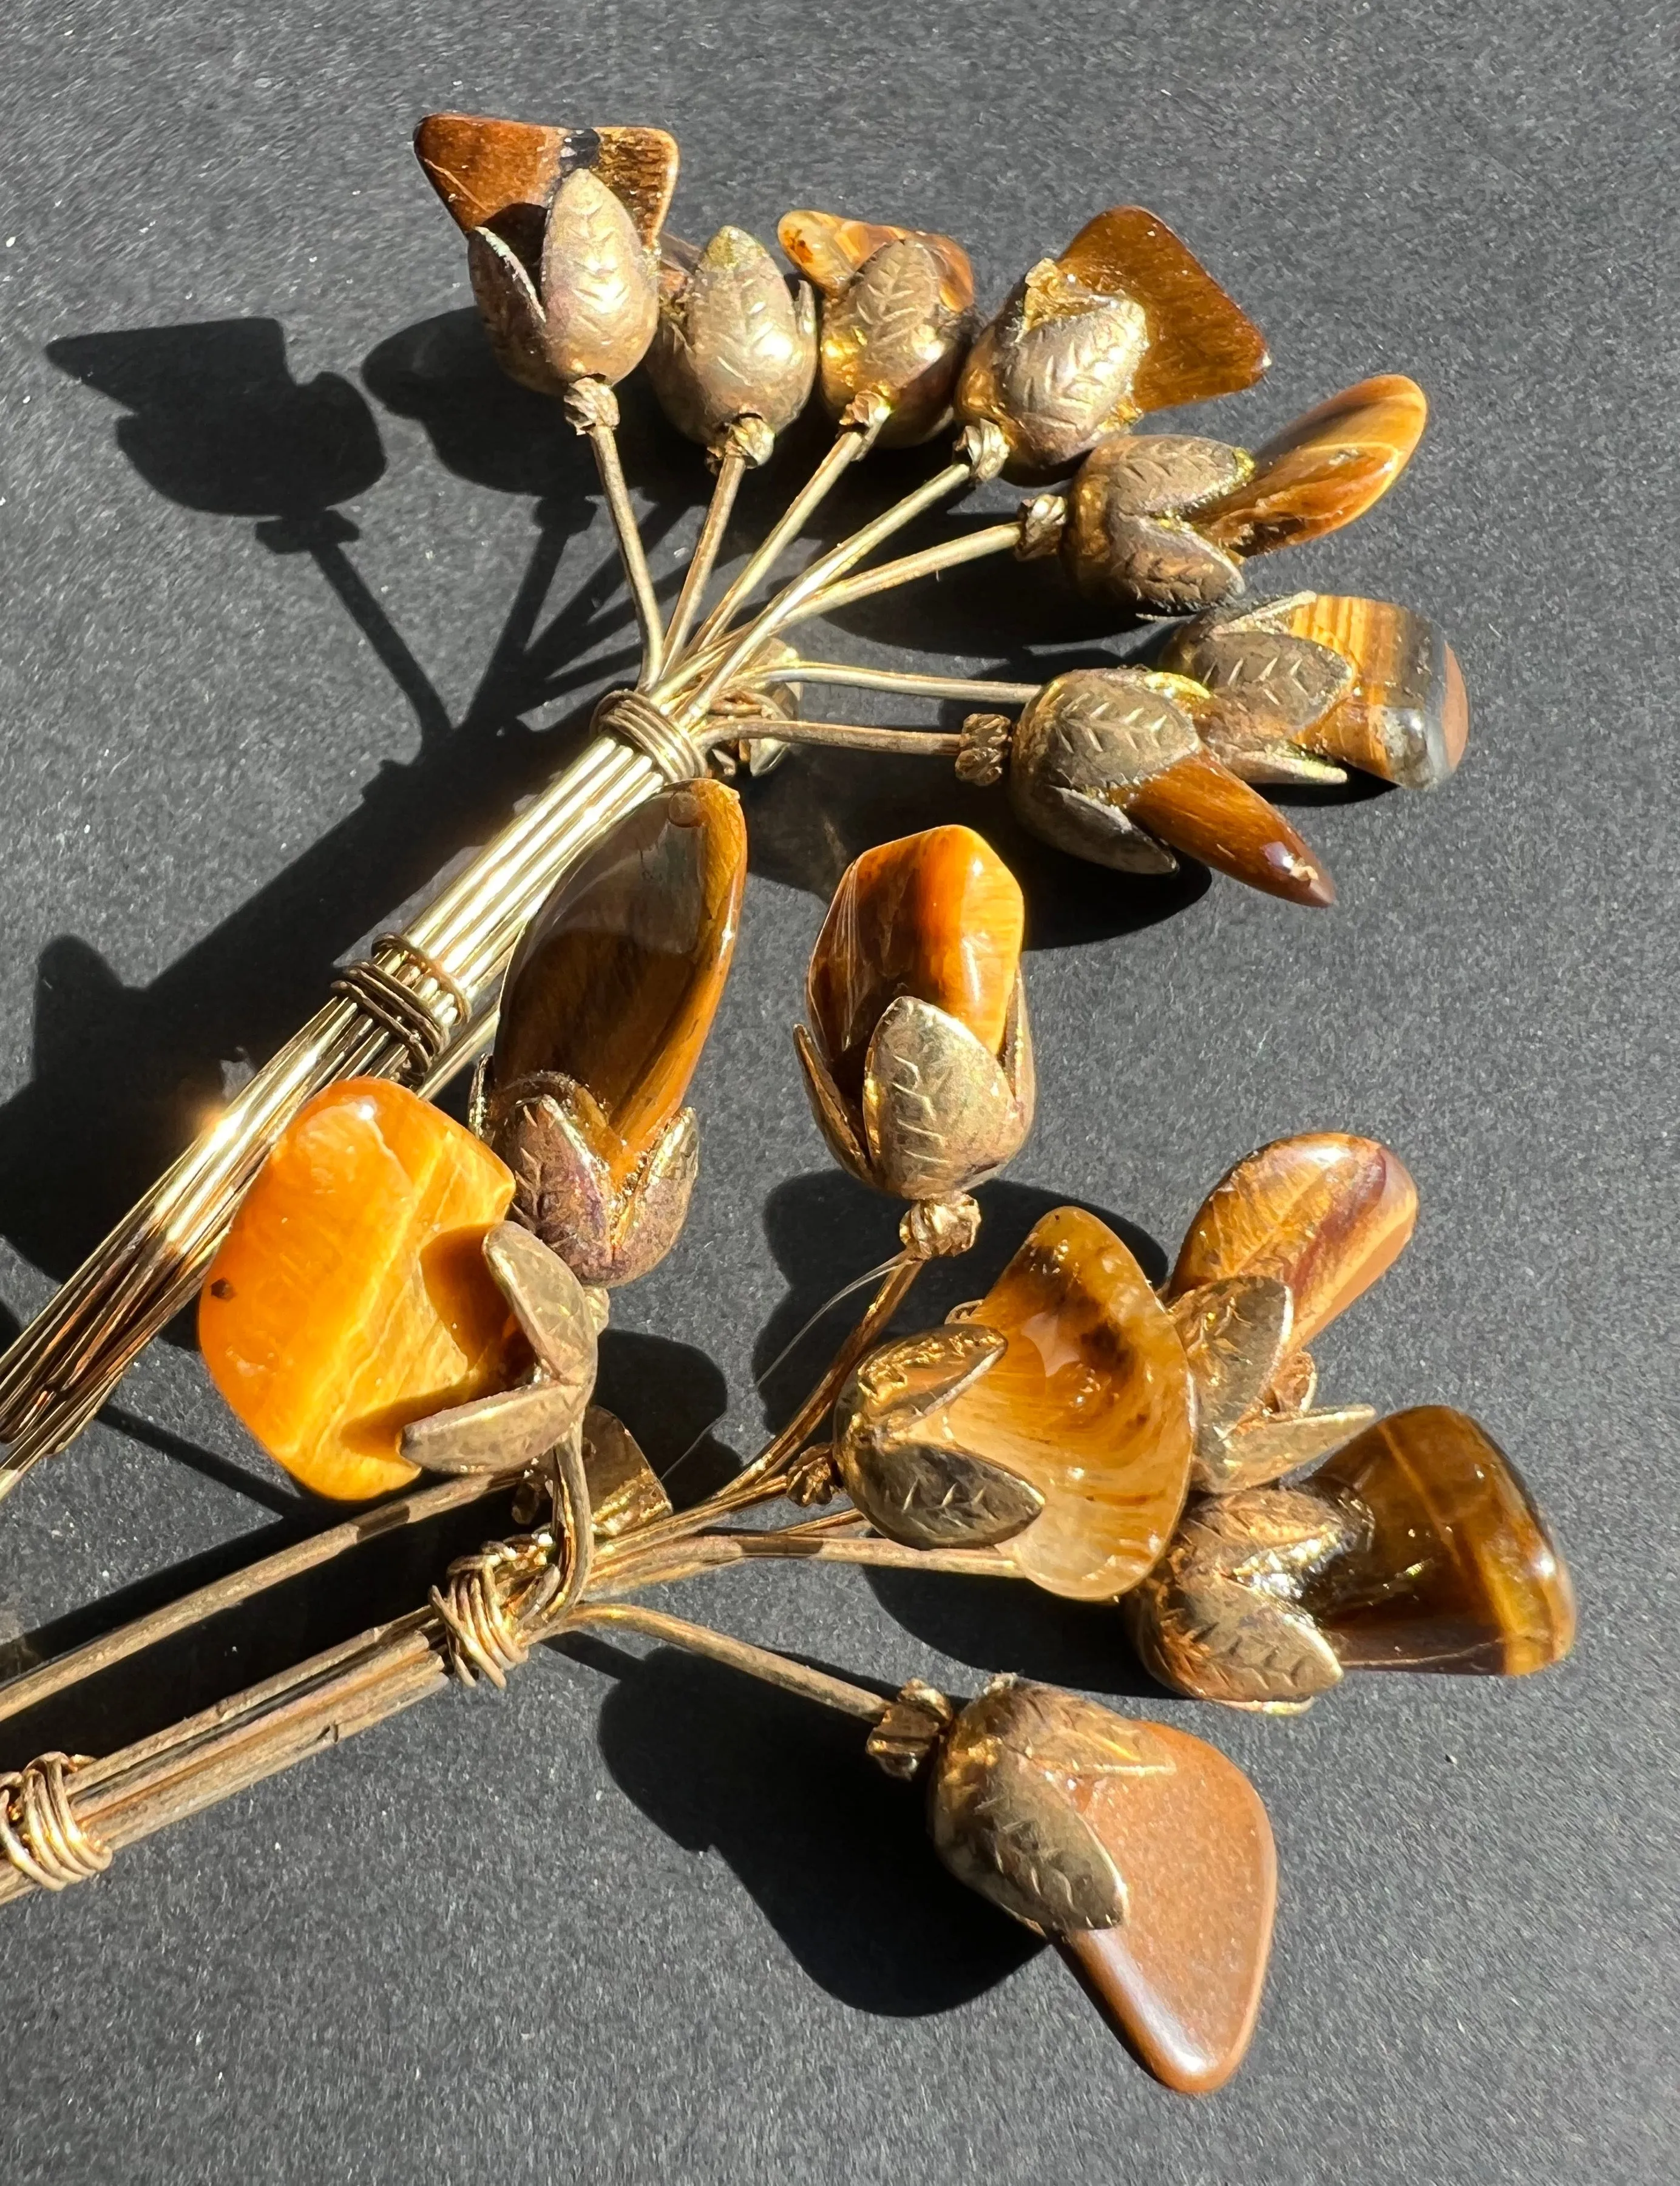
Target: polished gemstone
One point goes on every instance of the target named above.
(937, 916)
(619, 977)
(1090, 1404)
(1322, 471)
(351, 1295)
(1199, 341)
(503, 175)
(1452, 1568)
(1199, 807)
(1405, 717)
(1182, 1974)
(1324, 1213)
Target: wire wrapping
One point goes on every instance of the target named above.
(39, 1833)
(395, 1006)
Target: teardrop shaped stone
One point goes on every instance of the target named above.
(350, 1296)
(619, 975)
(937, 916)
(1456, 1570)
(1324, 1213)
(1322, 470)
(1090, 1402)
(1199, 807)
(1182, 1974)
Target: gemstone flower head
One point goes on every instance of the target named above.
(563, 228)
(918, 1062)
(605, 1009)
(1125, 321)
(733, 347)
(1161, 524)
(897, 312)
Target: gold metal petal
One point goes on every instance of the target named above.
(600, 290)
(732, 341)
(508, 303)
(1273, 1447)
(938, 1111)
(500, 1434)
(654, 1204)
(833, 1115)
(563, 1188)
(1234, 1333)
(549, 1303)
(623, 1490)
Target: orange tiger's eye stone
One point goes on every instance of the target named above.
(350, 1295)
(1322, 471)
(1090, 1402)
(938, 916)
(1406, 716)
(1455, 1569)
(619, 975)
(1323, 1212)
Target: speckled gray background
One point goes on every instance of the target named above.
(633, 1922)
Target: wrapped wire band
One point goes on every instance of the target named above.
(485, 1603)
(395, 1006)
(39, 1832)
(633, 715)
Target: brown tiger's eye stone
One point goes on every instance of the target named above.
(1200, 341)
(1405, 717)
(350, 1295)
(1182, 1974)
(496, 174)
(1322, 471)
(619, 977)
(1198, 806)
(938, 915)
(1090, 1402)
(1454, 1569)
(1324, 1214)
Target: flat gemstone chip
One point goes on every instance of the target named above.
(350, 1296)
(1324, 470)
(1182, 1974)
(1456, 1571)
(1406, 717)
(1325, 1214)
(1199, 342)
(937, 916)
(1090, 1402)
(619, 975)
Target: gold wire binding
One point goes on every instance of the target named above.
(633, 715)
(485, 1600)
(39, 1832)
(394, 1004)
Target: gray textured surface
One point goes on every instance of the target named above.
(636, 1923)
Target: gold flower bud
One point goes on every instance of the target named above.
(1108, 763)
(919, 1062)
(1143, 1852)
(897, 313)
(731, 341)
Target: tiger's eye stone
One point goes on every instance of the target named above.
(1324, 1213)
(1199, 807)
(619, 975)
(1455, 1570)
(503, 175)
(1199, 342)
(938, 915)
(1405, 717)
(350, 1295)
(1182, 1974)
(1322, 471)
(1090, 1402)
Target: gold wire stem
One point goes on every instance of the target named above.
(604, 440)
(908, 682)
(238, 1587)
(758, 1663)
(732, 467)
(846, 736)
(693, 705)
(949, 554)
(852, 442)
(717, 1551)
